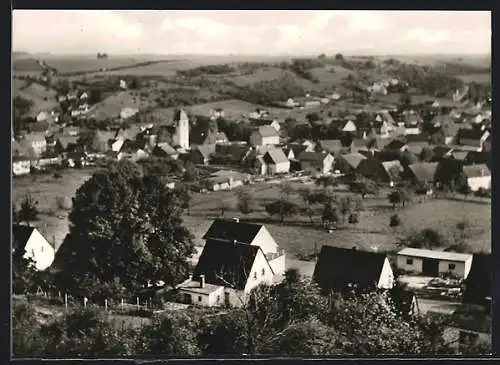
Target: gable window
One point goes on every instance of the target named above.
(218, 298)
(409, 261)
(263, 272)
(451, 266)
(255, 274)
(199, 299)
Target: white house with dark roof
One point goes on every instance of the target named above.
(236, 258)
(34, 245)
(276, 161)
(433, 263)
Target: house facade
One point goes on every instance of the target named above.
(20, 166)
(265, 135)
(34, 245)
(319, 162)
(434, 263)
(276, 161)
(478, 176)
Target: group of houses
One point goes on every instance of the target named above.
(238, 256)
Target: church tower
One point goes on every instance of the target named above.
(182, 129)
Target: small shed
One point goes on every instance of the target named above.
(433, 263)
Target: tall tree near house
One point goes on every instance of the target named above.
(184, 196)
(395, 198)
(363, 186)
(28, 211)
(394, 222)
(405, 194)
(426, 238)
(463, 186)
(246, 203)
(191, 173)
(330, 214)
(124, 226)
(282, 208)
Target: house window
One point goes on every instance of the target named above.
(255, 274)
(199, 299)
(218, 298)
(41, 249)
(451, 266)
(263, 272)
(409, 261)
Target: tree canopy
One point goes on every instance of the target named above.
(125, 230)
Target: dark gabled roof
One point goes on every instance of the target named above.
(20, 235)
(477, 284)
(229, 230)
(238, 151)
(206, 150)
(476, 170)
(65, 141)
(440, 151)
(424, 172)
(313, 156)
(337, 267)
(297, 148)
(226, 262)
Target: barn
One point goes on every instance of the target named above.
(433, 263)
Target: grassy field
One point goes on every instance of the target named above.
(111, 106)
(46, 189)
(296, 235)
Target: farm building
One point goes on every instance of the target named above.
(478, 176)
(276, 161)
(34, 245)
(164, 150)
(239, 152)
(339, 269)
(225, 180)
(265, 135)
(226, 273)
(321, 162)
(250, 234)
(434, 263)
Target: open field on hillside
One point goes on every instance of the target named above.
(43, 98)
(480, 78)
(298, 237)
(111, 106)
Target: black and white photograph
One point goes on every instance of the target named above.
(251, 184)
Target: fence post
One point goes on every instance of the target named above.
(122, 304)
(106, 305)
(85, 302)
(66, 300)
(137, 303)
(59, 293)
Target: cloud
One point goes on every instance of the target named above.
(427, 35)
(359, 21)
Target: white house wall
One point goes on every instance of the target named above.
(261, 272)
(479, 182)
(39, 250)
(459, 269)
(278, 265)
(415, 267)
(280, 167)
(265, 241)
(386, 280)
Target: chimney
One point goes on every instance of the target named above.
(202, 281)
(237, 220)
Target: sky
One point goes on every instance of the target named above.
(251, 32)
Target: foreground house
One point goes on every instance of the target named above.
(251, 234)
(478, 176)
(34, 245)
(434, 263)
(423, 173)
(340, 269)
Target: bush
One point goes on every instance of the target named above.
(483, 193)
(353, 218)
(395, 221)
